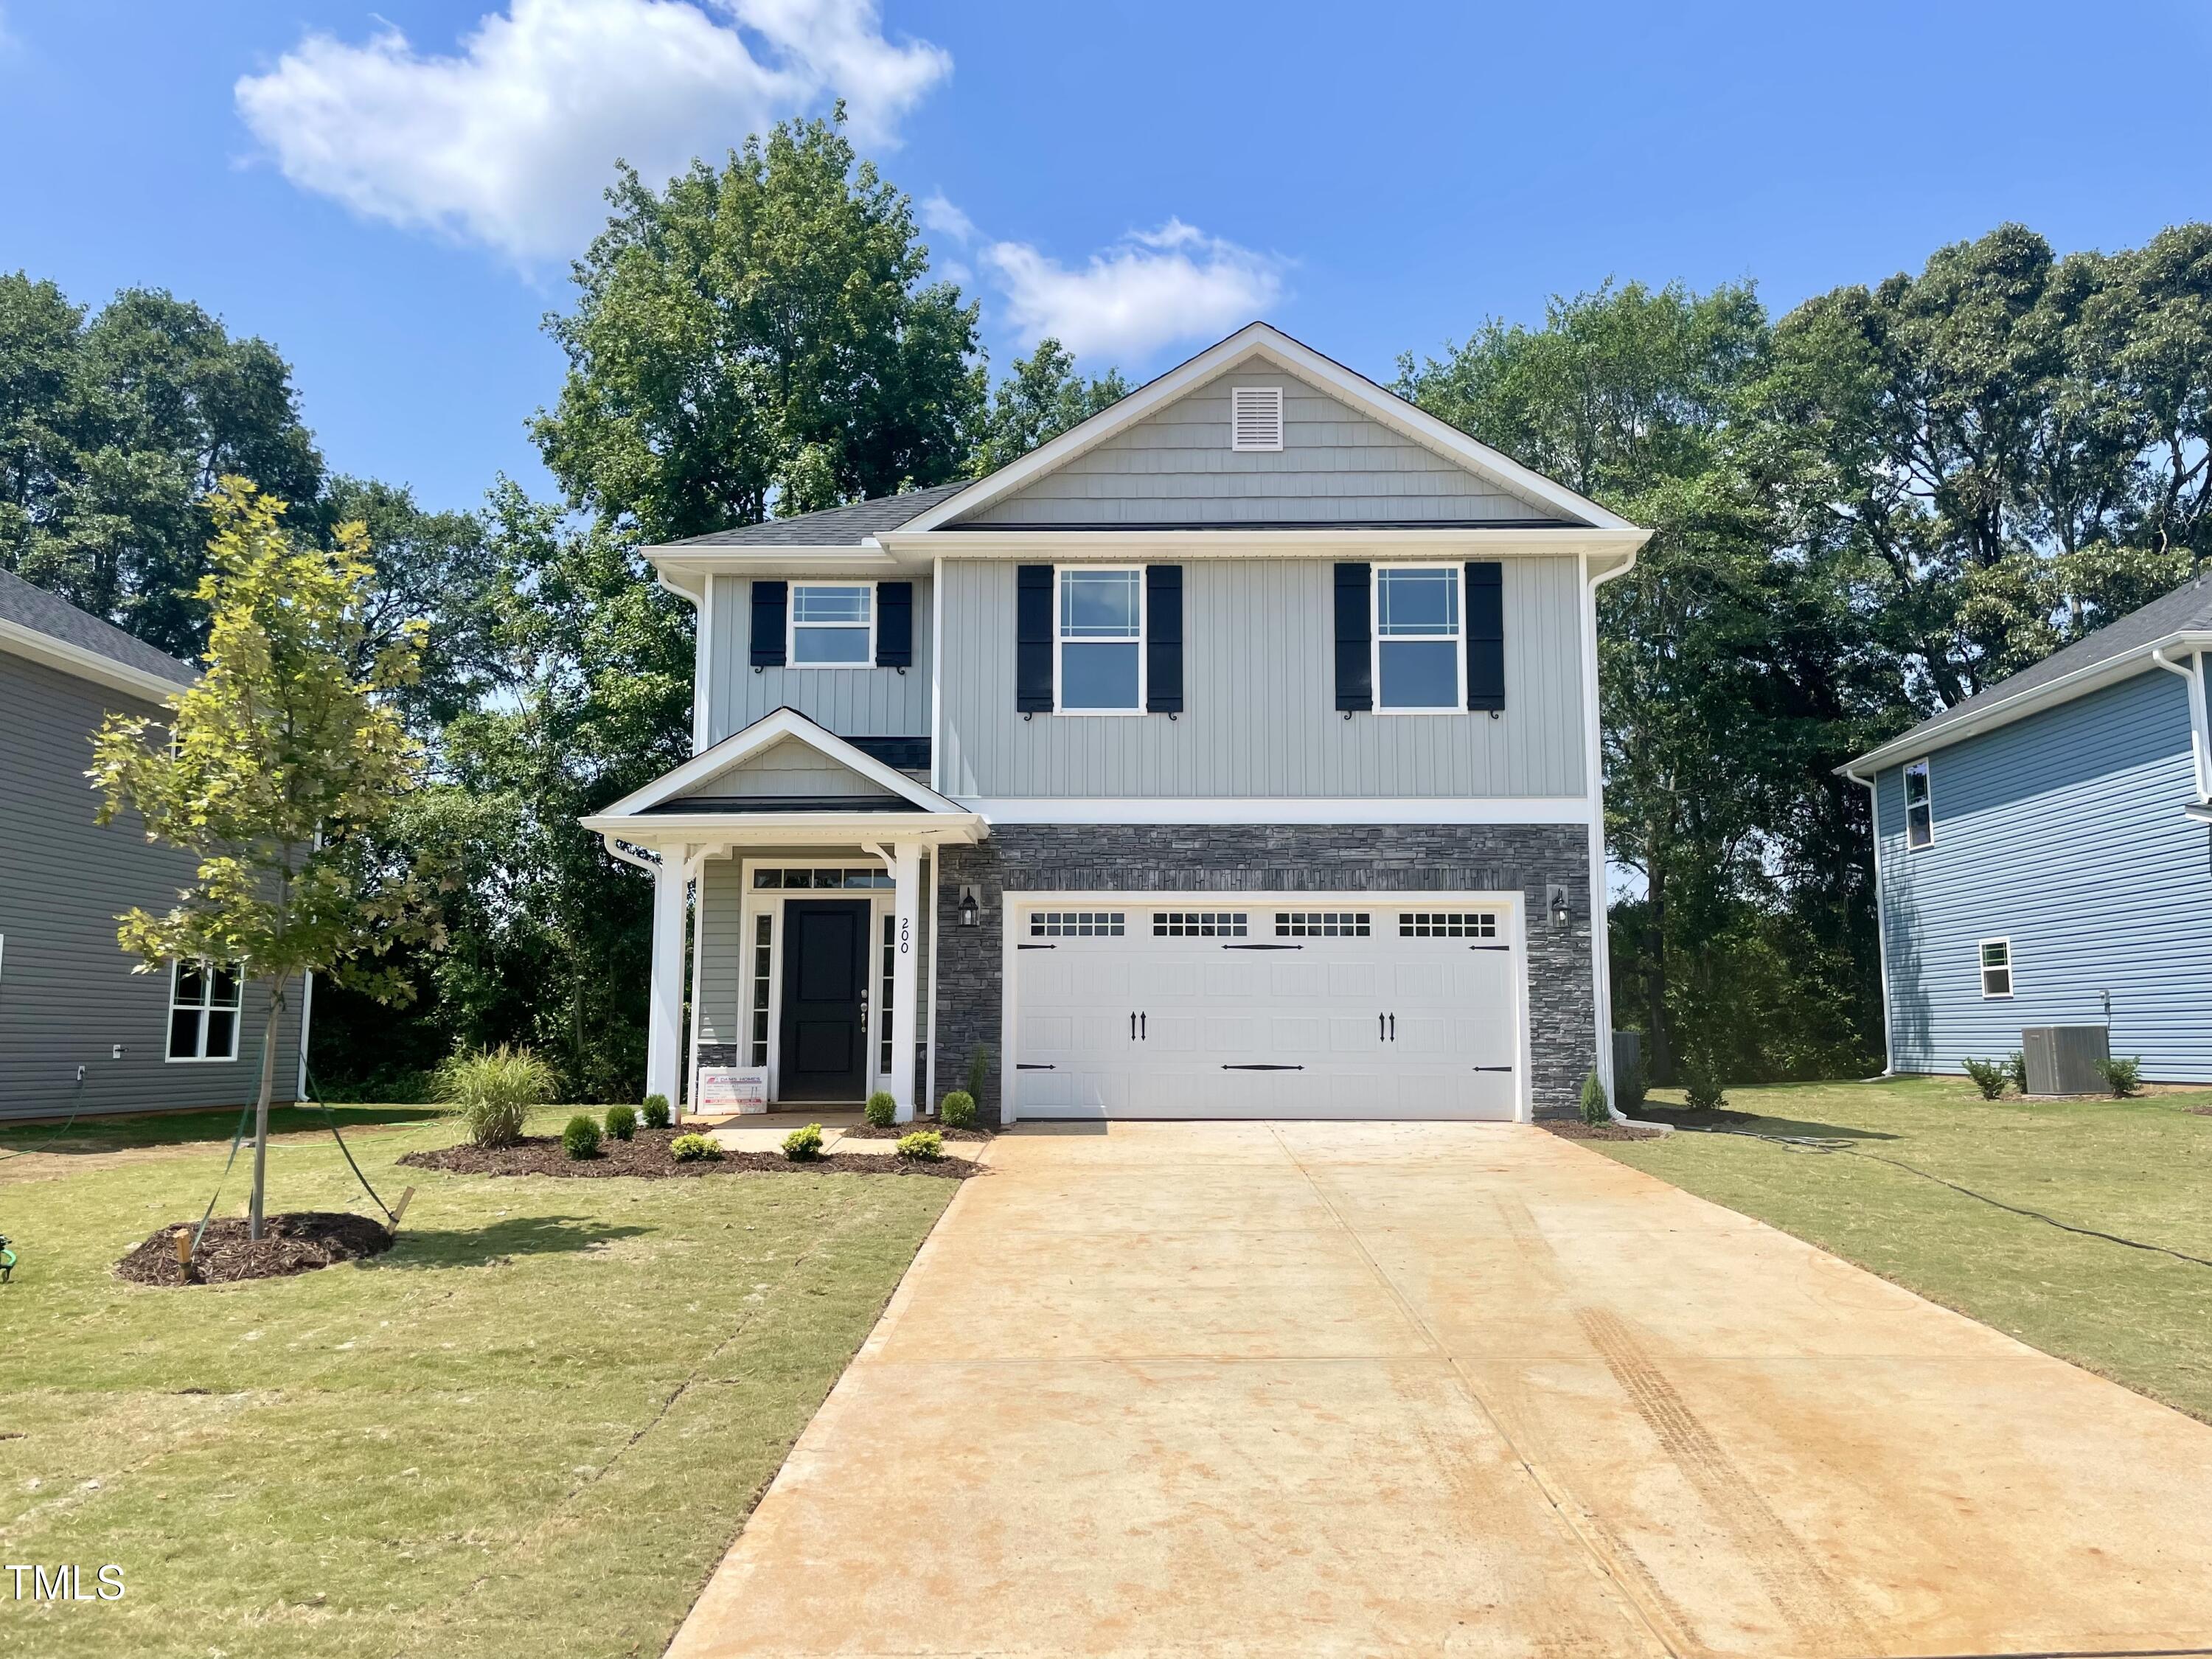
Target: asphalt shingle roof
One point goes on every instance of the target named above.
(2188, 608)
(33, 607)
(834, 526)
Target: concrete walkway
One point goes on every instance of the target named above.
(1333, 1388)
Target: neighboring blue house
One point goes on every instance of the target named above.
(2044, 853)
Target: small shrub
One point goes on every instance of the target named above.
(958, 1110)
(1990, 1077)
(881, 1111)
(924, 1144)
(979, 1070)
(621, 1122)
(653, 1113)
(1593, 1109)
(804, 1146)
(581, 1138)
(2122, 1078)
(2016, 1069)
(693, 1149)
(1629, 1087)
(1701, 1087)
(491, 1090)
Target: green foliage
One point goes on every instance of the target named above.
(692, 1149)
(758, 339)
(491, 1090)
(1593, 1102)
(580, 1137)
(958, 1110)
(2122, 1078)
(881, 1111)
(979, 1070)
(927, 1144)
(1701, 1084)
(621, 1122)
(2016, 1069)
(655, 1111)
(1041, 399)
(1990, 1077)
(1629, 1085)
(804, 1146)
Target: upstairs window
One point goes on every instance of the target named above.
(1416, 637)
(1996, 968)
(1919, 806)
(203, 1010)
(1102, 634)
(830, 626)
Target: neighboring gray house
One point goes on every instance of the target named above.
(2044, 853)
(1234, 754)
(79, 1030)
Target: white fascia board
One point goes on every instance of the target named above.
(2006, 710)
(664, 829)
(768, 729)
(1262, 341)
(1226, 810)
(1320, 541)
(74, 659)
(681, 565)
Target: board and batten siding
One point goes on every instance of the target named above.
(1337, 466)
(2062, 832)
(860, 702)
(67, 992)
(1259, 714)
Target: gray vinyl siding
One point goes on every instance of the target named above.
(2062, 832)
(853, 702)
(1337, 467)
(789, 768)
(67, 992)
(1259, 705)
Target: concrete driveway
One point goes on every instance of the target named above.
(1443, 1389)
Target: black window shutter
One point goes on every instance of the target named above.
(1163, 639)
(769, 600)
(1033, 639)
(1355, 662)
(1486, 635)
(894, 624)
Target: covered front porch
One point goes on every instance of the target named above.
(794, 878)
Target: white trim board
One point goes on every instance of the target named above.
(44, 648)
(1255, 809)
(753, 740)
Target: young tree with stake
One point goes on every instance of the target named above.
(277, 771)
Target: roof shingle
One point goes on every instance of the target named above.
(833, 527)
(32, 607)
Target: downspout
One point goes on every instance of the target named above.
(701, 660)
(2200, 742)
(1880, 915)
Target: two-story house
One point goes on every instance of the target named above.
(2043, 853)
(1233, 755)
(84, 1028)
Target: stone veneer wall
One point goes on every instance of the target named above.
(1022, 858)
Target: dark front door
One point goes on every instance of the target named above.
(825, 967)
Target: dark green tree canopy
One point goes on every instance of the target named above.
(758, 339)
(1041, 399)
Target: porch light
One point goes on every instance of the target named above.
(1560, 915)
(968, 908)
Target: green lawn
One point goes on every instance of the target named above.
(532, 1428)
(2141, 1169)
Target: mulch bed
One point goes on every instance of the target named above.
(1574, 1129)
(2200, 1111)
(296, 1242)
(869, 1132)
(648, 1156)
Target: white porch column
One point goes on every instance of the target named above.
(906, 938)
(664, 1039)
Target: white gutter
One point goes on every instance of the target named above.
(2200, 742)
(86, 665)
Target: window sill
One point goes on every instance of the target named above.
(1099, 714)
(200, 1060)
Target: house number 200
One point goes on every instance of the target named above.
(905, 936)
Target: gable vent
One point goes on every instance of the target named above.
(1255, 417)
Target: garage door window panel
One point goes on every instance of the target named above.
(1323, 924)
(1417, 655)
(1448, 924)
(1078, 923)
(1200, 924)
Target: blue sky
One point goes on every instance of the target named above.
(391, 196)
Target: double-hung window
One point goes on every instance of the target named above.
(203, 1010)
(1919, 806)
(1102, 641)
(1418, 658)
(831, 626)
(1996, 968)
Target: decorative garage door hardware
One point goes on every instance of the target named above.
(1263, 1068)
(1138, 1028)
(1056, 947)
(1493, 1068)
(1263, 947)
(1489, 947)
(1031, 1066)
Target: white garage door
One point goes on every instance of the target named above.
(1184, 1007)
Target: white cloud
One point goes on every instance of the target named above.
(1150, 289)
(942, 216)
(510, 142)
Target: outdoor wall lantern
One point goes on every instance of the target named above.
(968, 908)
(1560, 914)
